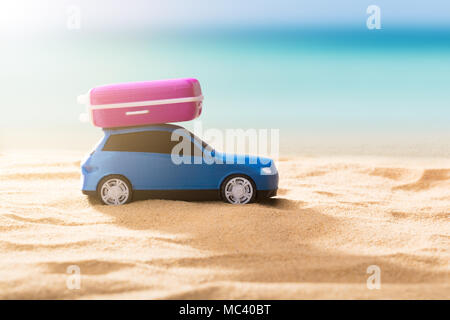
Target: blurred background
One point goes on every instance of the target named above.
(312, 69)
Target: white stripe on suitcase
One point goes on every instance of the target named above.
(145, 103)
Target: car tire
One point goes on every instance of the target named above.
(238, 189)
(114, 190)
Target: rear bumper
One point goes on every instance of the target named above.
(89, 193)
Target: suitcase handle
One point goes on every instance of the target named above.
(133, 113)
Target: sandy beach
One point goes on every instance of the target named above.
(333, 218)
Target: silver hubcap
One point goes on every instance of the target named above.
(238, 190)
(114, 192)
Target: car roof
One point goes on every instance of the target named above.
(164, 126)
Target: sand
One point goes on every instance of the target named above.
(334, 217)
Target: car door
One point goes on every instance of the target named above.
(154, 167)
(193, 172)
(134, 156)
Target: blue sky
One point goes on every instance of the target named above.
(107, 15)
(284, 12)
(265, 12)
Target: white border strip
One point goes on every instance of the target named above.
(145, 103)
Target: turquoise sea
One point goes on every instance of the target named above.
(343, 89)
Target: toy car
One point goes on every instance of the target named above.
(137, 163)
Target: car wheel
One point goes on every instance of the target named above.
(238, 189)
(114, 190)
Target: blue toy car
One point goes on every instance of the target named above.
(140, 163)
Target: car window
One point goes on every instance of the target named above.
(203, 143)
(194, 149)
(145, 141)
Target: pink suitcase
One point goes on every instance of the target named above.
(141, 103)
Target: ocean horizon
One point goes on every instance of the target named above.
(322, 88)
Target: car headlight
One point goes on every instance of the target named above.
(269, 170)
